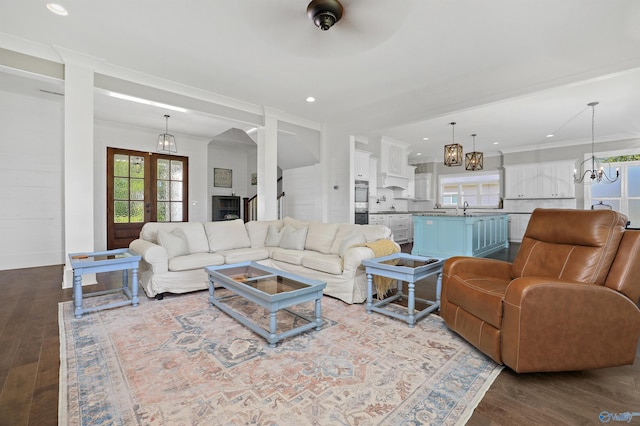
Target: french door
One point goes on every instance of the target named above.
(143, 187)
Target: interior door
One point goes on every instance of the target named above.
(143, 187)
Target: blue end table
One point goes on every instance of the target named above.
(410, 269)
(105, 261)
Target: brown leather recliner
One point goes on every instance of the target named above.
(569, 301)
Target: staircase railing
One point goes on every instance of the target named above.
(250, 210)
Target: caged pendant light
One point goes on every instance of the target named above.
(597, 172)
(473, 160)
(453, 152)
(167, 142)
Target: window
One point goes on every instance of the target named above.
(478, 189)
(169, 179)
(624, 194)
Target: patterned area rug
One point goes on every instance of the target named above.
(181, 361)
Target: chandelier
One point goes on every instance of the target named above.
(597, 172)
(453, 152)
(473, 160)
(167, 142)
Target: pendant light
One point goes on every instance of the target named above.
(473, 160)
(167, 142)
(453, 152)
(596, 173)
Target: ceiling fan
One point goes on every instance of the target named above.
(356, 25)
(325, 13)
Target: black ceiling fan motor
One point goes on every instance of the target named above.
(325, 13)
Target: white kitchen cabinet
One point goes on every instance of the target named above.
(399, 224)
(517, 226)
(361, 165)
(379, 219)
(521, 181)
(422, 186)
(556, 180)
(394, 156)
(539, 181)
(407, 193)
(373, 177)
(410, 226)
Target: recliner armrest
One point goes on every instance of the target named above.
(153, 254)
(554, 325)
(477, 265)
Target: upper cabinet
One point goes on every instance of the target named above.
(409, 191)
(394, 167)
(394, 157)
(361, 165)
(422, 186)
(544, 180)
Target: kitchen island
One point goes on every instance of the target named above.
(438, 234)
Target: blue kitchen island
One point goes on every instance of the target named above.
(447, 234)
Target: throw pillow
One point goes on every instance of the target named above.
(227, 235)
(353, 239)
(292, 238)
(174, 242)
(273, 237)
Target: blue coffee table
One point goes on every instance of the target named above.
(404, 268)
(270, 288)
(105, 261)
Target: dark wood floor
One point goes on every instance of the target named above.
(29, 366)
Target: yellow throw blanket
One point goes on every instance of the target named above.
(383, 248)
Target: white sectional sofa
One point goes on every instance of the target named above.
(174, 254)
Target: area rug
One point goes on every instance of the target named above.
(181, 361)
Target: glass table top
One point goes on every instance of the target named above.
(262, 280)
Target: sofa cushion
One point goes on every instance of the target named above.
(243, 255)
(195, 261)
(196, 238)
(294, 222)
(293, 238)
(226, 235)
(274, 236)
(257, 230)
(320, 236)
(174, 242)
(329, 263)
(353, 239)
(289, 256)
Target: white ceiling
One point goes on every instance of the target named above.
(511, 71)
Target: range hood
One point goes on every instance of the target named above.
(393, 181)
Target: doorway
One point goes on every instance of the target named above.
(143, 187)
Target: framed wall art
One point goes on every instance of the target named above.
(254, 178)
(222, 178)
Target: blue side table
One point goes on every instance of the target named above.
(404, 268)
(105, 261)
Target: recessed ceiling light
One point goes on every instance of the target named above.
(418, 153)
(57, 9)
(311, 99)
(425, 139)
(496, 143)
(549, 136)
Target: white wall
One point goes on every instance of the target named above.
(236, 159)
(303, 200)
(31, 181)
(338, 173)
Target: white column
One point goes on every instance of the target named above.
(78, 165)
(268, 167)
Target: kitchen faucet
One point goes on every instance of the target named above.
(465, 206)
